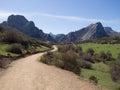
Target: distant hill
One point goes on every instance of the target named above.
(27, 27)
(111, 32)
(93, 31)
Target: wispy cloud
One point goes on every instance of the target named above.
(72, 18)
(4, 14)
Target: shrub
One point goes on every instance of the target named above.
(78, 49)
(109, 56)
(88, 57)
(90, 51)
(67, 61)
(25, 44)
(70, 62)
(47, 58)
(118, 88)
(94, 79)
(105, 56)
(65, 48)
(85, 64)
(12, 36)
(57, 63)
(43, 59)
(15, 48)
(118, 56)
(115, 70)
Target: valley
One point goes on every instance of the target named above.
(88, 58)
(28, 73)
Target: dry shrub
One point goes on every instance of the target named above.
(115, 70)
(70, 61)
(15, 48)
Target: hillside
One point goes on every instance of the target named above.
(15, 44)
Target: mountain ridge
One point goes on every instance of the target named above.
(28, 27)
(92, 31)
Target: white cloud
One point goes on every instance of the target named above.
(5, 14)
(72, 18)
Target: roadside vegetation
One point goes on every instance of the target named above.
(98, 63)
(14, 44)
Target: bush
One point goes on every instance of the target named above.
(105, 56)
(15, 48)
(118, 56)
(67, 61)
(85, 64)
(115, 70)
(94, 79)
(109, 56)
(57, 63)
(47, 58)
(78, 49)
(118, 88)
(88, 57)
(65, 48)
(90, 51)
(12, 36)
(70, 62)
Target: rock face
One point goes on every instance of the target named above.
(59, 37)
(27, 27)
(111, 32)
(92, 31)
(95, 31)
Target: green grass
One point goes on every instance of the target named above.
(101, 71)
(100, 67)
(4, 46)
(113, 48)
(42, 48)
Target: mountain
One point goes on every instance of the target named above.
(111, 32)
(92, 31)
(27, 27)
(52, 35)
(59, 37)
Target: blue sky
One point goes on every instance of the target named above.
(63, 16)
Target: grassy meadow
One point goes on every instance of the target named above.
(101, 72)
(32, 49)
(80, 59)
(114, 49)
(3, 51)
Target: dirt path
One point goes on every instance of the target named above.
(29, 74)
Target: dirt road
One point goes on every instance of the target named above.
(29, 74)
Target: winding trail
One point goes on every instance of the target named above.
(29, 74)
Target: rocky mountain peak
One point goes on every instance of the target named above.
(109, 29)
(92, 31)
(95, 31)
(27, 27)
(17, 20)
